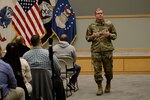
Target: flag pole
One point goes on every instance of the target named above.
(52, 66)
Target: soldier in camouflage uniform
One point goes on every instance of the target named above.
(100, 33)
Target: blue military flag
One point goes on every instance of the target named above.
(63, 21)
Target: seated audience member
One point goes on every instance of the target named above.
(22, 48)
(12, 57)
(26, 72)
(63, 48)
(39, 57)
(8, 82)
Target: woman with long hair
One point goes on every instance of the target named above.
(12, 57)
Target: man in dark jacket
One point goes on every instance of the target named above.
(22, 48)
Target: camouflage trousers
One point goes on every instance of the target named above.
(102, 60)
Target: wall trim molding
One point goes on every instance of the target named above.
(116, 49)
(117, 16)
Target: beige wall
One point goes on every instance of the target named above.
(132, 32)
(110, 7)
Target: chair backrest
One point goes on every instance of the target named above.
(63, 66)
(69, 61)
(41, 84)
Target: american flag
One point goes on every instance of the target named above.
(27, 19)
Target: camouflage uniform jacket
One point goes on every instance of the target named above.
(101, 43)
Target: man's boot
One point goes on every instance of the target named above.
(100, 89)
(108, 86)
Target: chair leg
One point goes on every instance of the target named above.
(68, 90)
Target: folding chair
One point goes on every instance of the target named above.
(70, 65)
(64, 76)
(41, 84)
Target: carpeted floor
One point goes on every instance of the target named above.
(124, 87)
